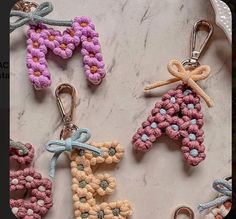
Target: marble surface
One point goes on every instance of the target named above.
(138, 38)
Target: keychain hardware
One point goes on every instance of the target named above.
(66, 117)
(24, 6)
(184, 210)
(195, 54)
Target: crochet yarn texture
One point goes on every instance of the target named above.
(41, 39)
(86, 186)
(40, 189)
(179, 116)
(219, 212)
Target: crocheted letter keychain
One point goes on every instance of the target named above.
(221, 206)
(178, 114)
(84, 156)
(41, 39)
(40, 189)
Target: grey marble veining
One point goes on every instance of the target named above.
(138, 38)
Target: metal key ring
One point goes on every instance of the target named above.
(184, 210)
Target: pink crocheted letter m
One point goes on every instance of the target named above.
(41, 39)
(179, 116)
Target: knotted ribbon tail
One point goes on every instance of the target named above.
(161, 83)
(35, 17)
(200, 92)
(201, 208)
(52, 168)
(218, 201)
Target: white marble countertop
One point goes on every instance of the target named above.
(138, 38)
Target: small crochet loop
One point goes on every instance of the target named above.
(21, 153)
(35, 17)
(20, 147)
(76, 141)
(188, 77)
(224, 188)
(184, 210)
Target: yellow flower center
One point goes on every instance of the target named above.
(37, 73)
(83, 24)
(51, 37)
(94, 69)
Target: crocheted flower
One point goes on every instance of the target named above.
(43, 204)
(162, 109)
(192, 136)
(104, 184)
(36, 30)
(90, 52)
(83, 24)
(112, 152)
(194, 120)
(83, 197)
(194, 155)
(17, 156)
(93, 157)
(173, 98)
(43, 188)
(39, 76)
(80, 164)
(89, 37)
(151, 127)
(35, 57)
(191, 105)
(192, 145)
(50, 38)
(85, 212)
(102, 211)
(17, 180)
(94, 71)
(36, 42)
(142, 140)
(15, 205)
(28, 211)
(65, 48)
(83, 182)
(32, 177)
(173, 130)
(120, 209)
(73, 35)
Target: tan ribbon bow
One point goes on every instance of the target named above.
(188, 77)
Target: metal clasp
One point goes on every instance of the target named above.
(67, 117)
(195, 54)
(24, 6)
(184, 210)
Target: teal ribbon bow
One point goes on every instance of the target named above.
(76, 141)
(35, 17)
(222, 186)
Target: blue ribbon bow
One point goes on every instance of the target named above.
(76, 141)
(222, 186)
(35, 17)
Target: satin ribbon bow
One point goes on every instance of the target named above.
(76, 141)
(222, 186)
(35, 17)
(188, 77)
